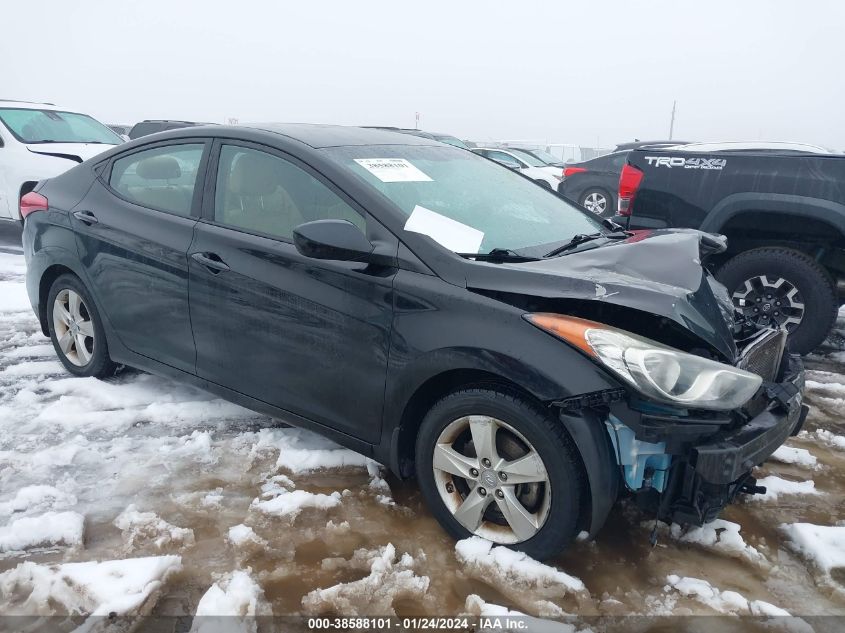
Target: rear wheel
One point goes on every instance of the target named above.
(493, 464)
(76, 330)
(781, 287)
(596, 200)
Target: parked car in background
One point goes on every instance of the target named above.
(151, 126)
(41, 140)
(122, 130)
(424, 307)
(540, 154)
(782, 208)
(435, 136)
(593, 183)
(524, 163)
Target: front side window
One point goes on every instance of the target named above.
(51, 126)
(464, 202)
(263, 193)
(161, 178)
(504, 159)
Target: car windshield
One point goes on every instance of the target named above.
(532, 160)
(465, 202)
(52, 126)
(545, 156)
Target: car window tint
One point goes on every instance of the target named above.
(618, 160)
(261, 192)
(161, 178)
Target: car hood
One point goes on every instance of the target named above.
(657, 272)
(72, 151)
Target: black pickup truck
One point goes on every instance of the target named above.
(782, 210)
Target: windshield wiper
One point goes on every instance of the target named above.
(498, 255)
(582, 238)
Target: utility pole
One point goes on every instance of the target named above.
(672, 122)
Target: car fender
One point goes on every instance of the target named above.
(828, 211)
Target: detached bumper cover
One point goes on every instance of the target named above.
(725, 459)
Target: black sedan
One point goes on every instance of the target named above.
(594, 183)
(423, 306)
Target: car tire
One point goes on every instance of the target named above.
(791, 279)
(597, 201)
(545, 513)
(76, 329)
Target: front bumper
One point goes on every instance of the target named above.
(717, 469)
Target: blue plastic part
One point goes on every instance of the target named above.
(635, 456)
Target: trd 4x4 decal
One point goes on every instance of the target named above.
(686, 163)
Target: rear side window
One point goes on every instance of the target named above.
(161, 178)
(261, 192)
(505, 159)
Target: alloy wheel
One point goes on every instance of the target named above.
(770, 301)
(73, 327)
(595, 202)
(491, 479)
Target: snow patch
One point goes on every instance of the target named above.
(47, 530)
(124, 587)
(722, 601)
(388, 580)
(243, 536)
(795, 456)
(142, 529)
(822, 545)
(477, 607)
(831, 439)
(236, 599)
(777, 487)
(291, 502)
(719, 535)
(37, 497)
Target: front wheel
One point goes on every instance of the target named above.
(76, 330)
(495, 465)
(781, 287)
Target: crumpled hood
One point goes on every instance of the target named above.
(657, 272)
(72, 151)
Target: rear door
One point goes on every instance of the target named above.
(133, 230)
(308, 336)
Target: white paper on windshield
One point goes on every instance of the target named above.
(452, 234)
(392, 169)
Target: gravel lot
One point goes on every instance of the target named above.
(179, 503)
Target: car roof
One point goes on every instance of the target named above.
(31, 105)
(738, 146)
(319, 135)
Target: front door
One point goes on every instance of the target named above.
(133, 230)
(308, 336)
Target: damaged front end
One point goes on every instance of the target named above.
(685, 465)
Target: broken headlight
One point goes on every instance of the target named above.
(655, 370)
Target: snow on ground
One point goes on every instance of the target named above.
(46, 530)
(231, 605)
(793, 455)
(390, 578)
(824, 546)
(720, 536)
(722, 601)
(123, 587)
(537, 587)
(147, 528)
(777, 487)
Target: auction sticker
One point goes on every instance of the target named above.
(392, 169)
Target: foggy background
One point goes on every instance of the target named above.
(590, 73)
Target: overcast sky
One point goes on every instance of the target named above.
(586, 72)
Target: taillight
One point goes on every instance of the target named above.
(31, 203)
(629, 182)
(572, 170)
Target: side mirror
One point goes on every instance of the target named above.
(332, 239)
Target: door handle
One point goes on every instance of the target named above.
(86, 217)
(210, 261)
